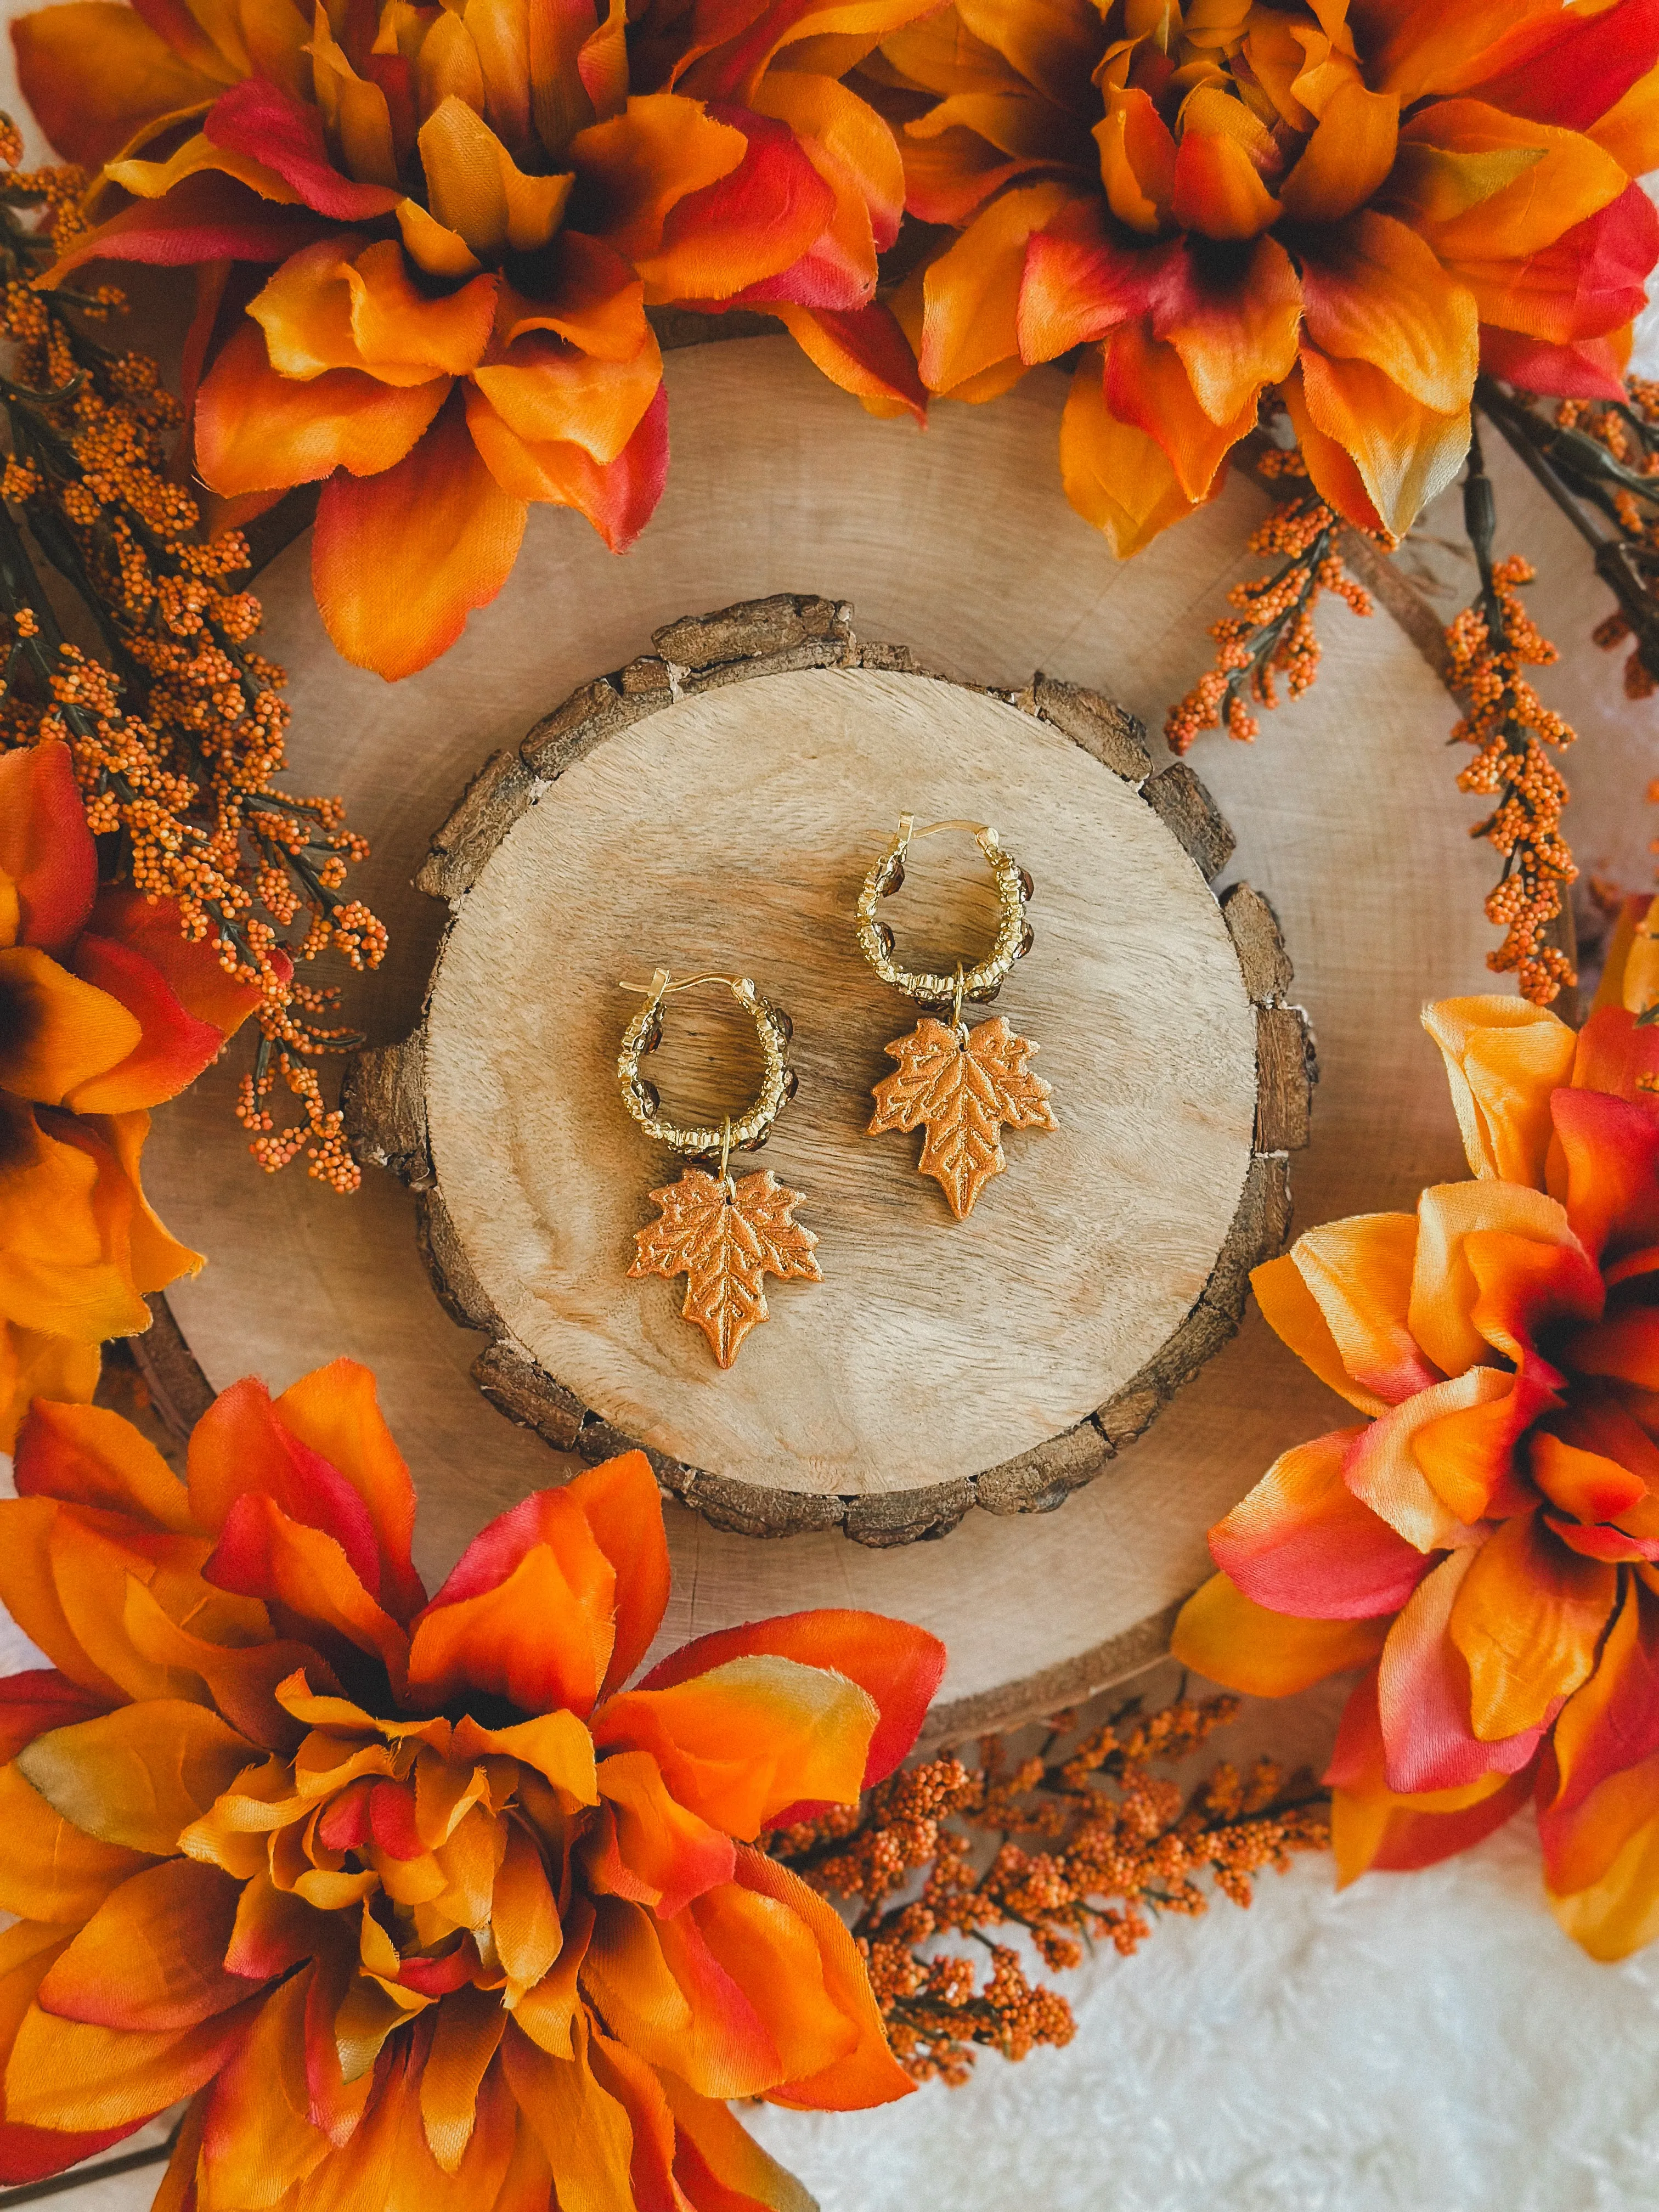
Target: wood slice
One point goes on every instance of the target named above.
(714, 806)
(960, 542)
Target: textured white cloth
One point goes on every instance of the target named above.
(1420, 2043)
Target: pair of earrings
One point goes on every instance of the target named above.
(960, 1085)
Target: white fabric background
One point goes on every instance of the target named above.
(1428, 2042)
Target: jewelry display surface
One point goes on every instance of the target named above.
(1095, 1282)
(958, 542)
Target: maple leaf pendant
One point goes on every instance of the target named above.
(962, 1086)
(724, 1238)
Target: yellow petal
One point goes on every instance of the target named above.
(1115, 476)
(439, 250)
(478, 190)
(140, 1775)
(149, 180)
(55, 1032)
(1349, 155)
(1226, 1637)
(1503, 1057)
(970, 321)
(1619, 1913)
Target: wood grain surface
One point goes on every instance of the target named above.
(959, 541)
(937, 1350)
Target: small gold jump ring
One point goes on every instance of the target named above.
(1013, 937)
(644, 1033)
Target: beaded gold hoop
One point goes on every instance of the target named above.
(1014, 937)
(724, 1235)
(960, 1085)
(644, 1034)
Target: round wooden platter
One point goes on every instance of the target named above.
(714, 806)
(958, 541)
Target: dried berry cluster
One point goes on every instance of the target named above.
(1600, 458)
(1273, 633)
(1627, 493)
(1078, 1844)
(177, 729)
(1509, 726)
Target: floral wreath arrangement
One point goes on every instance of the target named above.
(427, 1899)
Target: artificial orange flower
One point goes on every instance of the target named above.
(106, 1010)
(420, 1904)
(469, 210)
(1350, 202)
(1486, 1542)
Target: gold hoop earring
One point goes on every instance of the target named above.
(960, 1085)
(724, 1235)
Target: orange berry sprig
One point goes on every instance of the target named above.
(1630, 434)
(177, 730)
(1080, 1842)
(1597, 456)
(1509, 726)
(1272, 632)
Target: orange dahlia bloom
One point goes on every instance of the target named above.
(419, 1904)
(468, 211)
(1486, 1542)
(105, 1011)
(1352, 203)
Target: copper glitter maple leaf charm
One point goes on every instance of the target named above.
(962, 1092)
(725, 1239)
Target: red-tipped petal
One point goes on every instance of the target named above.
(262, 1553)
(742, 1743)
(527, 1613)
(1303, 1543)
(258, 118)
(901, 1667)
(241, 1445)
(1587, 369)
(1373, 1827)
(618, 497)
(399, 560)
(864, 350)
(1589, 281)
(46, 846)
(1611, 1725)
(622, 1507)
(741, 234)
(208, 217)
(89, 1455)
(655, 1852)
(1568, 70)
(192, 968)
(335, 1413)
(1610, 1148)
(174, 1048)
(1423, 1689)
(39, 1699)
(1079, 280)
(150, 1957)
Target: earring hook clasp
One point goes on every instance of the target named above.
(659, 986)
